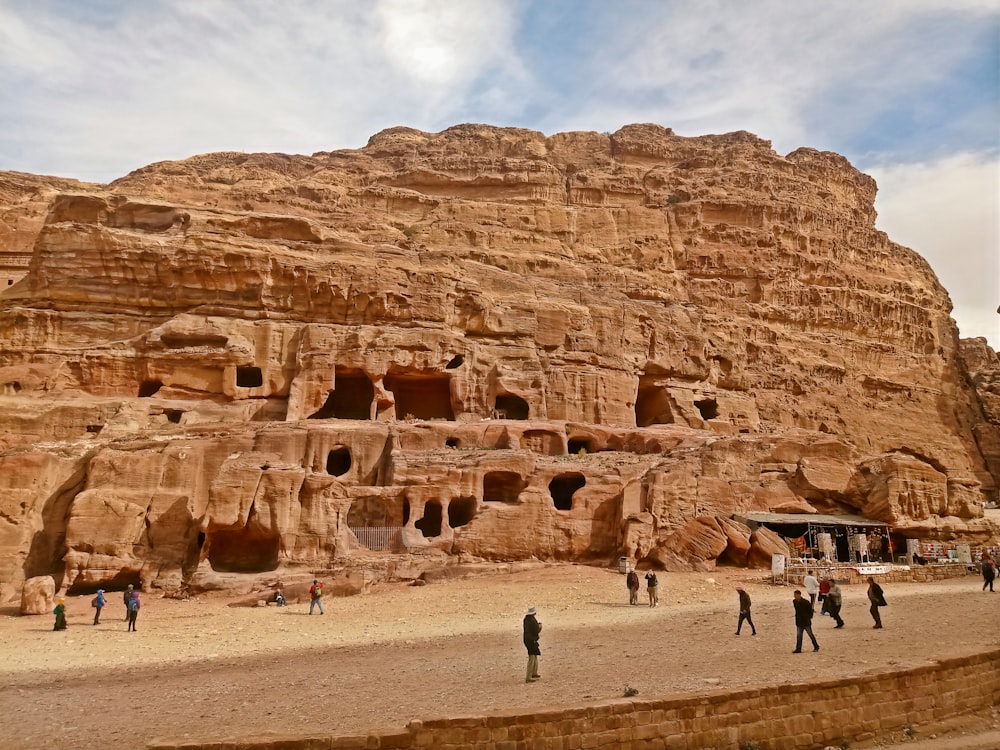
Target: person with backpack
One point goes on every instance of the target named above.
(126, 598)
(98, 603)
(316, 596)
(652, 589)
(60, 613)
(133, 610)
(632, 582)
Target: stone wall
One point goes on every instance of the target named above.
(786, 717)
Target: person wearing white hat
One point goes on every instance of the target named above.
(532, 630)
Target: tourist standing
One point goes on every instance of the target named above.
(652, 589)
(803, 621)
(877, 598)
(989, 573)
(834, 601)
(811, 584)
(824, 589)
(532, 630)
(632, 582)
(133, 610)
(60, 613)
(98, 604)
(126, 598)
(316, 596)
(745, 604)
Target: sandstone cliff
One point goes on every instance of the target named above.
(503, 344)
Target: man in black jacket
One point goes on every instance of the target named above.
(745, 604)
(532, 630)
(803, 622)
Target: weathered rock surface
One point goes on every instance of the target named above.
(38, 595)
(484, 343)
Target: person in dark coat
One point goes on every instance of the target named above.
(989, 573)
(60, 613)
(126, 598)
(745, 604)
(803, 621)
(833, 602)
(632, 582)
(532, 631)
(877, 598)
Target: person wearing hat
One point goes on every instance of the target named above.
(60, 613)
(532, 630)
(744, 611)
(98, 604)
(127, 597)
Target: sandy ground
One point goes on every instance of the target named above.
(202, 669)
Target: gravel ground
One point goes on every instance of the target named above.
(201, 668)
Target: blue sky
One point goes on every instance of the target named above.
(908, 90)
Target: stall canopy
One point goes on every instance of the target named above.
(844, 537)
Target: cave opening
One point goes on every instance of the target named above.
(708, 408)
(502, 486)
(562, 489)
(243, 551)
(461, 510)
(338, 461)
(652, 406)
(421, 396)
(249, 377)
(149, 388)
(457, 361)
(452, 442)
(351, 397)
(430, 524)
(509, 406)
(173, 415)
(577, 445)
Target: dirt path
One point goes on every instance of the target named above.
(204, 669)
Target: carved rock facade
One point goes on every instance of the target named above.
(502, 344)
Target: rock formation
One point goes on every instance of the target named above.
(484, 343)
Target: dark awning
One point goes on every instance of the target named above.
(813, 519)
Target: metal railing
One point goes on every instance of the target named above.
(379, 538)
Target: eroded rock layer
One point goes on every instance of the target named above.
(482, 342)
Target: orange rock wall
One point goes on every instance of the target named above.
(509, 345)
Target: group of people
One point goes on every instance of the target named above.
(652, 587)
(130, 598)
(828, 591)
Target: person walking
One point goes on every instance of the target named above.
(877, 598)
(532, 630)
(989, 573)
(824, 589)
(811, 584)
(834, 601)
(803, 621)
(316, 596)
(744, 611)
(632, 582)
(126, 598)
(652, 589)
(133, 610)
(60, 613)
(98, 603)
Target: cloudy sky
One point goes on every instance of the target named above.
(908, 90)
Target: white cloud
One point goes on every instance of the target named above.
(949, 212)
